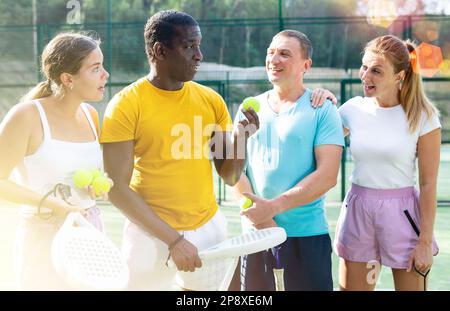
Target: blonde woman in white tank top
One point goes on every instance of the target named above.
(43, 141)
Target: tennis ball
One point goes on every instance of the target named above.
(101, 185)
(246, 203)
(96, 173)
(251, 102)
(82, 178)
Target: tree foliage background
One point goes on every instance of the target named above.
(241, 40)
(235, 33)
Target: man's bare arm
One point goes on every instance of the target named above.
(229, 160)
(307, 190)
(316, 184)
(118, 160)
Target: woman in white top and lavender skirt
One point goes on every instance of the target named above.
(384, 219)
(44, 140)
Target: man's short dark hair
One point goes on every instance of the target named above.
(162, 27)
(305, 43)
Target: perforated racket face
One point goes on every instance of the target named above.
(88, 260)
(248, 243)
(250, 237)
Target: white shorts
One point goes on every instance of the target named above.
(146, 256)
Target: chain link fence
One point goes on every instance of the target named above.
(234, 52)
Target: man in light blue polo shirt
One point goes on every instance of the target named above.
(293, 160)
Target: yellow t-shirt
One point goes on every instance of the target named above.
(172, 133)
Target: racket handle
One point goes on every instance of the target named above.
(279, 279)
(225, 284)
(170, 264)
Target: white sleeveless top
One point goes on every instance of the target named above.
(56, 161)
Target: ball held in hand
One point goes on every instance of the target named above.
(96, 173)
(101, 185)
(95, 178)
(246, 203)
(251, 102)
(82, 178)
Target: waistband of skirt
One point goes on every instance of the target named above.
(383, 193)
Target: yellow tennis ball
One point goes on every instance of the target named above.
(82, 178)
(251, 102)
(246, 203)
(96, 173)
(101, 185)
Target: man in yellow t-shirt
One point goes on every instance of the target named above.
(158, 137)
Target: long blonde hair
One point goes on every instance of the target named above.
(63, 54)
(403, 56)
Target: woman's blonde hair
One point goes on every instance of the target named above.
(63, 54)
(403, 56)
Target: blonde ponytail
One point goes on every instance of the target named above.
(412, 95)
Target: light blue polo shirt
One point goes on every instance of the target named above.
(281, 153)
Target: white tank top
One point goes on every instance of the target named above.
(56, 161)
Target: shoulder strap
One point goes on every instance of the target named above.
(44, 120)
(93, 120)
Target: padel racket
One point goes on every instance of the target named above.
(245, 244)
(220, 260)
(86, 259)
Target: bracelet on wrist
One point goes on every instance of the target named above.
(171, 246)
(177, 240)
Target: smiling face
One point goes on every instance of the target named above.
(285, 63)
(89, 83)
(183, 57)
(378, 77)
